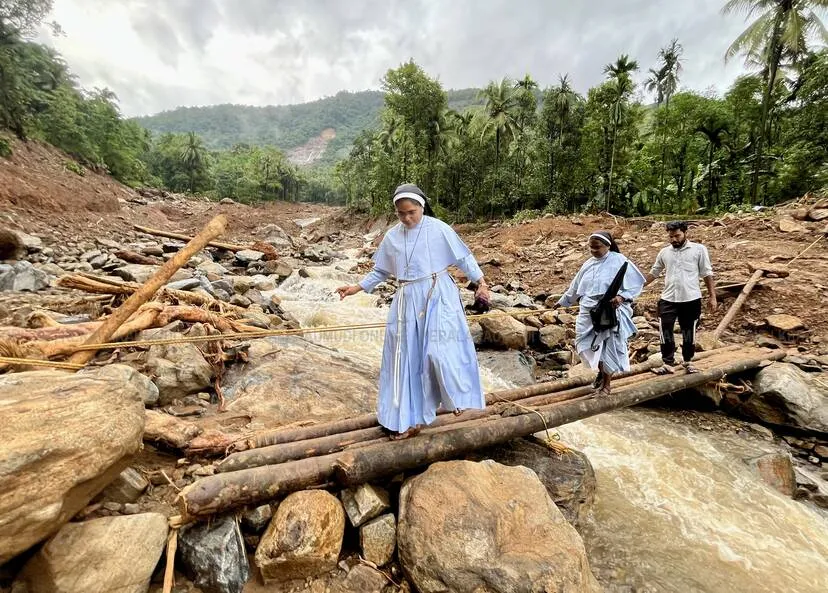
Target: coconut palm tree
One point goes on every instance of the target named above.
(781, 28)
(619, 73)
(714, 127)
(500, 107)
(193, 157)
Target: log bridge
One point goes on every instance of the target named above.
(354, 451)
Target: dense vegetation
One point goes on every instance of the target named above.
(765, 140)
(508, 149)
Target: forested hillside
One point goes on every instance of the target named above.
(287, 126)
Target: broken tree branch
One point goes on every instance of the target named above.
(213, 229)
(186, 239)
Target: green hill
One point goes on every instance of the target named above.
(285, 126)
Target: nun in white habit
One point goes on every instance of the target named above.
(428, 358)
(605, 351)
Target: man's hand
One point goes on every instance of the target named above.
(712, 303)
(346, 291)
(617, 301)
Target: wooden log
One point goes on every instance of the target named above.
(186, 239)
(213, 229)
(132, 257)
(225, 491)
(101, 285)
(281, 453)
(737, 304)
(316, 431)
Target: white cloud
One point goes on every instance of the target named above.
(159, 54)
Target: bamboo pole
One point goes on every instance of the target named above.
(185, 238)
(213, 229)
(737, 304)
(224, 491)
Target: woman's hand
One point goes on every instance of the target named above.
(617, 301)
(346, 291)
(482, 292)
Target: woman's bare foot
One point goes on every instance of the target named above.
(457, 412)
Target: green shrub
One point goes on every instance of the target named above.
(75, 168)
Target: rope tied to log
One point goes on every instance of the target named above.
(552, 440)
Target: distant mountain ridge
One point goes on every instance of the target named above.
(286, 126)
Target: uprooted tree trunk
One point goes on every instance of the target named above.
(225, 491)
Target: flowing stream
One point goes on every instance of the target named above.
(677, 506)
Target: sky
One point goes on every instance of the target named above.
(159, 54)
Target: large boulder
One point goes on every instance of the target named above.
(106, 555)
(510, 365)
(304, 538)
(178, 369)
(784, 395)
(22, 277)
(473, 527)
(569, 478)
(63, 438)
(288, 379)
(503, 331)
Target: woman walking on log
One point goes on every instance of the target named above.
(428, 358)
(604, 287)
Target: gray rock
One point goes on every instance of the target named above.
(274, 235)
(108, 243)
(30, 242)
(99, 261)
(127, 487)
(241, 284)
(213, 556)
(362, 579)
(178, 369)
(256, 520)
(212, 268)
(223, 286)
(141, 273)
(784, 395)
(6, 276)
(476, 331)
(246, 256)
(90, 255)
(263, 283)
(378, 539)
(254, 296)
(317, 253)
(569, 478)
(240, 301)
(106, 555)
(553, 336)
(364, 503)
(511, 365)
(22, 277)
(188, 284)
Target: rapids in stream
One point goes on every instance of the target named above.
(677, 507)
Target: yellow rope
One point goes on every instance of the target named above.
(35, 362)
(253, 335)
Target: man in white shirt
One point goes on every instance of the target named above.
(684, 262)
